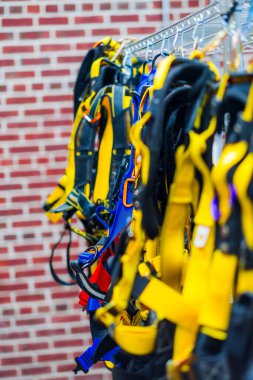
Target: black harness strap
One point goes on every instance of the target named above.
(70, 271)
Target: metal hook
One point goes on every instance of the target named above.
(162, 47)
(147, 59)
(175, 39)
(195, 36)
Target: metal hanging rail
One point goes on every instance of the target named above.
(188, 23)
(207, 20)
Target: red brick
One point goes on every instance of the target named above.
(15, 335)
(176, 4)
(30, 173)
(141, 5)
(36, 370)
(6, 62)
(6, 36)
(4, 349)
(141, 30)
(8, 373)
(84, 46)
(87, 7)
(22, 125)
(43, 309)
(25, 149)
(11, 212)
(66, 368)
(33, 8)
(46, 284)
(89, 20)
(32, 346)
(27, 198)
(66, 319)
(28, 273)
(53, 73)
(15, 9)
(3, 250)
(10, 287)
(42, 185)
(24, 161)
(80, 330)
(30, 298)
(37, 86)
(34, 35)
(17, 22)
(10, 187)
(23, 100)
(25, 310)
(20, 74)
(122, 5)
(17, 49)
(157, 4)
(10, 237)
(54, 171)
(67, 110)
(193, 3)
(70, 33)
(35, 61)
(154, 17)
(8, 312)
(51, 8)
(50, 332)
(57, 98)
(6, 163)
(19, 87)
(8, 113)
(127, 18)
(13, 262)
(68, 343)
(105, 32)
(43, 111)
(42, 160)
(54, 47)
(29, 223)
(41, 136)
(4, 300)
(53, 20)
(9, 137)
(69, 7)
(52, 357)
(55, 85)
(55, 123)
(28, 236)
(12, 361)
(105, 6)
(28, 248)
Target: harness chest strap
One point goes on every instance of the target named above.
(215, 310)
(203, 237)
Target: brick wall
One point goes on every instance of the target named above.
(42, 44)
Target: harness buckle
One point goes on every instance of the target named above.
(94, 120)
(125, 192)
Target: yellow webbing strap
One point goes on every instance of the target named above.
(101, 187)
(172, 233)
(215, 310)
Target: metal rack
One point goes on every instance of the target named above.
(205, 23)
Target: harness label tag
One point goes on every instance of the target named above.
(201, 236)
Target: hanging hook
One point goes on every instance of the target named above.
(195, 36)
(175, 39)
(147, 59)
(162, 52)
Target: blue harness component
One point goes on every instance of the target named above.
(85, 361)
